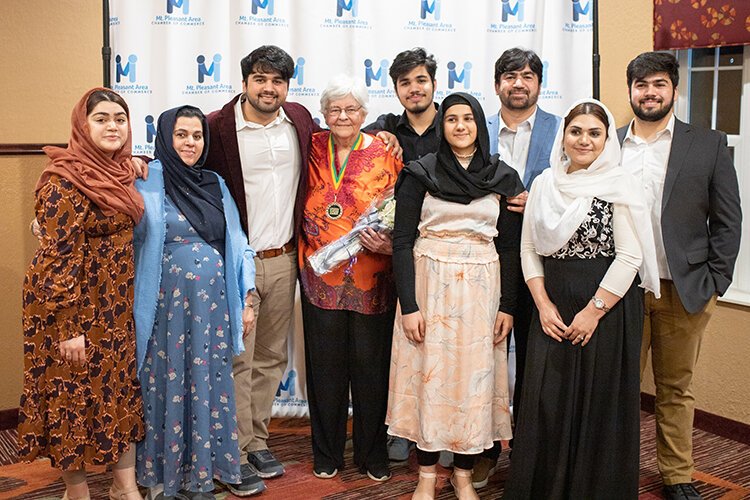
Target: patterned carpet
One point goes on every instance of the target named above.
(723, 471)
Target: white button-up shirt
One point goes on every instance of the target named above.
(270, 159)
(648, 162)
(513, 145)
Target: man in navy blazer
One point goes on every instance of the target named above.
(260, 145)
(523, 134)
(691, 188)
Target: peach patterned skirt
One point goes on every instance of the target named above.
(450, 392)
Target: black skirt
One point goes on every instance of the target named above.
(579, 435)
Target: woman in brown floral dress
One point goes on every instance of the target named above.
(81, 402)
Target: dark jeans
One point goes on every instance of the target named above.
(346, 349)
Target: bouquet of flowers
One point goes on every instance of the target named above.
(379, 216)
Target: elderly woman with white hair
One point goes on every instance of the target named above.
(347, 313)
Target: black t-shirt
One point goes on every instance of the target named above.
(414, 145)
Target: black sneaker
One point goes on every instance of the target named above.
(265, 463)
(198, 495)
(325, 472)
(251, 484)
(681, 491)
(379, 473)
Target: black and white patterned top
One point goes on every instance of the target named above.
(594, 237)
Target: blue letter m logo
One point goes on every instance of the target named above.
(342, 5)
(464, 77)
(262, 4)
(184, 4)
(581, 10)
(508, 11)
(381, 75)
(433, 9)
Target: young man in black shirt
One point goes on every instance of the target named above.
(413, 75)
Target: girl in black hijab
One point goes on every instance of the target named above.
(448, 381)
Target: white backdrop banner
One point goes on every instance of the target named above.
(172, 52)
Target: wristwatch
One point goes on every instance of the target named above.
(599, 304)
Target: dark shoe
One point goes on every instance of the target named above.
(681, 491)
(265, 463)
(251, 483)
(324, 472)
(483, 468)
(398, 449)
(379, 473)
(198, 495)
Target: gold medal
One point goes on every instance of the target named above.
(334, 210)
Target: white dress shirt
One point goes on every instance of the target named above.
(647, 161)
(513, 145)
(270, 159)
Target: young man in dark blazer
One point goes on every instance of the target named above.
(691, 187)
(259, 145)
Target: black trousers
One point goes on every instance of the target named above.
(521, 325)
(428, 458)
(347, 350)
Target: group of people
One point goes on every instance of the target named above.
(157, 308)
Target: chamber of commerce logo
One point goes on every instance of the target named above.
(179, 4)
(127, 76)
(582, 18)
(508, 10)
(262, 13)
(429, 18)
(266, 5)
(513, 18)
(209, 77)
(349, 5)
(297, 84)
(347, 16)
(150, 129)
(288, 385)
(582, 10)
(177, 14)
(126, 70)
(455, 77)
(548, 92)
(299, 71)
(427, 7)
(380, 75)
(213, 70)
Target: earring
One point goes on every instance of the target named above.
(564, 156)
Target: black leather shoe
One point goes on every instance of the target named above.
(681, 491)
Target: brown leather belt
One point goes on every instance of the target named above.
(275, 252)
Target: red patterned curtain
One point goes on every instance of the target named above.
(688, 24)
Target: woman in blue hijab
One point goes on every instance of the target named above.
(194, 272)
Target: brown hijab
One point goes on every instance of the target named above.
(107, 181)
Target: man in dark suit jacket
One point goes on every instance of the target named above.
(523, 134)
(691, 186)
(259, 145)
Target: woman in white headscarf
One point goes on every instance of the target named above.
(586, 236)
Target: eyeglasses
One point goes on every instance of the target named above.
(334, 112)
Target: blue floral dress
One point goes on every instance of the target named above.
(188, 388)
